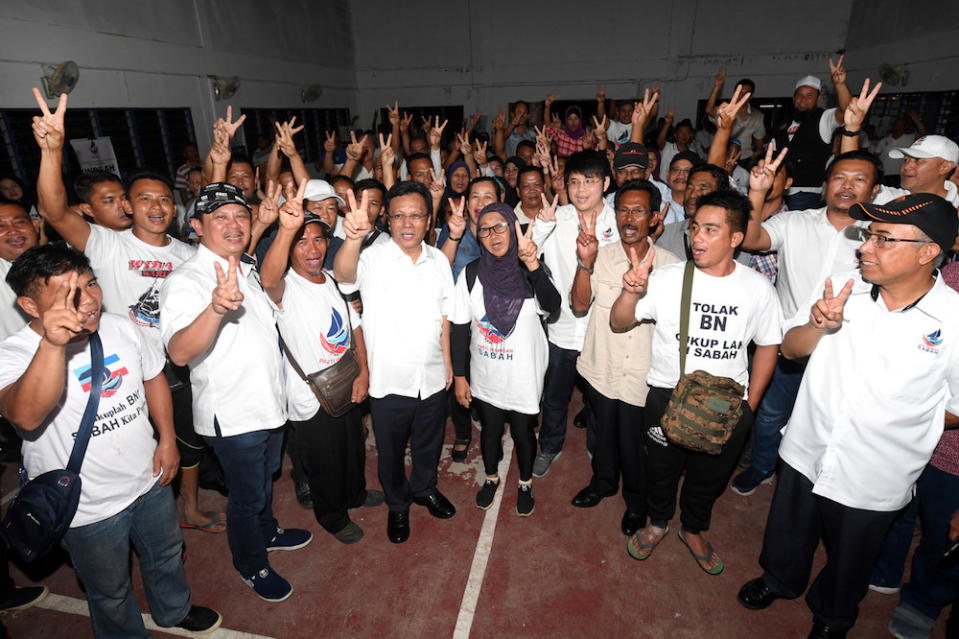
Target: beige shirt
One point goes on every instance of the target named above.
(615, 364)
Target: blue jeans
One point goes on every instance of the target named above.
(929, 587)
(892, 560)
(249, 461)
(557, 391)
(101, 557)
(774, 411)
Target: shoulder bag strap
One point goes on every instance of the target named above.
(684, 304)
(93, 401)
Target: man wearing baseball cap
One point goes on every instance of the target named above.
(631, 162)
(216, 317)
(809, 136)
(881, 382)
(927, 165)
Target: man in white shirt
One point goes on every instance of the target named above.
(810, 245)
(17, 234)
(883, 377)
(125, 497)
(407, 291)
(216, 317)
(926, 168)
(731, 305)
(897, 138)
(557, 231)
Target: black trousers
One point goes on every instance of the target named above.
(332, 454)
(706, 475)
(189, 444)
(798, 519)
(460, 416)
(421, 422)
(619, 450)
(521, 427)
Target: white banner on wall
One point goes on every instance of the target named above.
(96, 154)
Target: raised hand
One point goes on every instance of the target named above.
(479, 153)
(436, 184)
(356, 223)
(291, 213)
(720, 77)
(658, 224)
(826, 314)
(463, 140)
(269, 207)
(63, 321)
(499, 122)
(228, 125)
(557, 181)
(548, 212)
(855, 113)
(586, 244)
(284, 136)
(48, 128)
(526, 248)
(405, 122)
(354, 150)
(670, 114)
(436, 133)
(762, 175)
(727, 111)
(837, 71)
(601, 94)
(387, 155)
(542, 155)
(642, 110)
(330, 144)
(394, 113)
(636, 279)
(457, 218)
(552, 97)
(220, 153)
(226, 296)
(599, 127)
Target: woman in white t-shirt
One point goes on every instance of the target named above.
(497, 334)
(318, 328)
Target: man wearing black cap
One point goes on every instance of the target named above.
(631, 162)
(217, 318)
(883, 376)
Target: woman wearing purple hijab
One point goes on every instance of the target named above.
(569, 136)
(498, 336)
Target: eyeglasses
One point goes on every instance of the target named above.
(499, 228)
(881, 240)
(413, 217)
(628, 213)
(680, 171)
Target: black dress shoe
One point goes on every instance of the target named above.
(398, 526)
(822, 631)
(631, 523)
(201, 620)
(438, 505)
(586, 498)
(756, 594)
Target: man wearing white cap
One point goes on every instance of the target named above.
(809, 136)
(926, 168)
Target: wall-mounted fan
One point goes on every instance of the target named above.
(311, 93)
(59, 78)
(893, 76)
(225, 88)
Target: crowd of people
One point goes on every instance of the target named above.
(808, 268)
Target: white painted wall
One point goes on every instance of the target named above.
(158, 54)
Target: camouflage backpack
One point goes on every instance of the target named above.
(703, 409)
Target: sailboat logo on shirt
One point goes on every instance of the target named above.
(113, 373)
(489, 331)
(337, 338)
(931, 342)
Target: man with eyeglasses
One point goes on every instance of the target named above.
(882, 381)
(407, 291)
(810, 245)
(676, 177)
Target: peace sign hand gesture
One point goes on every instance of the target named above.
(63, 321)
(356, 222)
(636, 279)
(291, 213)
(354, 150)
(457, 219)
(586, 244)
(526, 248)
(762, 175)
(856, 110)
(48, 128)
(284, 136)
(226, 296)
(727, 111)
(826, 314)
(387, 155)
(228, 126)
(548, 212)
(436, 133)
(330, 144)
(642, 110)
(837, 71)
(270, 205)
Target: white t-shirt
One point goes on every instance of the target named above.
(506, 371)
(619, 133)
(726, 313)
(130, 273)
(889, 193)
(118, 465)
(809, 248)
(557, 242)
(239, 379)
(404, 304)
(314, 326)
(12, 317)
(891, 166)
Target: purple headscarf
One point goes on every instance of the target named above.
(448, 190)
(578, 133)
(504, 287)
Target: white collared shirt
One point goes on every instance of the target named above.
(809, 249)
(239, 379)
(870, 408)
(404, 307)
(557, 242)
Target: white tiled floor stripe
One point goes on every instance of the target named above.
(74, 606)
(464, 621)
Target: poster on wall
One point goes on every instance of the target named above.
(96, 154)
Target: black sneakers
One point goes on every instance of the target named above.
(484, 498)
(524, 500)
(201, 620)
(23, 597)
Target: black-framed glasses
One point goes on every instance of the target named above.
(412, 217)
(628, 213)
(881, 240)
(499, 228)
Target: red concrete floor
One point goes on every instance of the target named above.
(564, 572)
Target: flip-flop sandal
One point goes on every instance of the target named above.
(704, 561)
(208, 527)
(643, 551)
